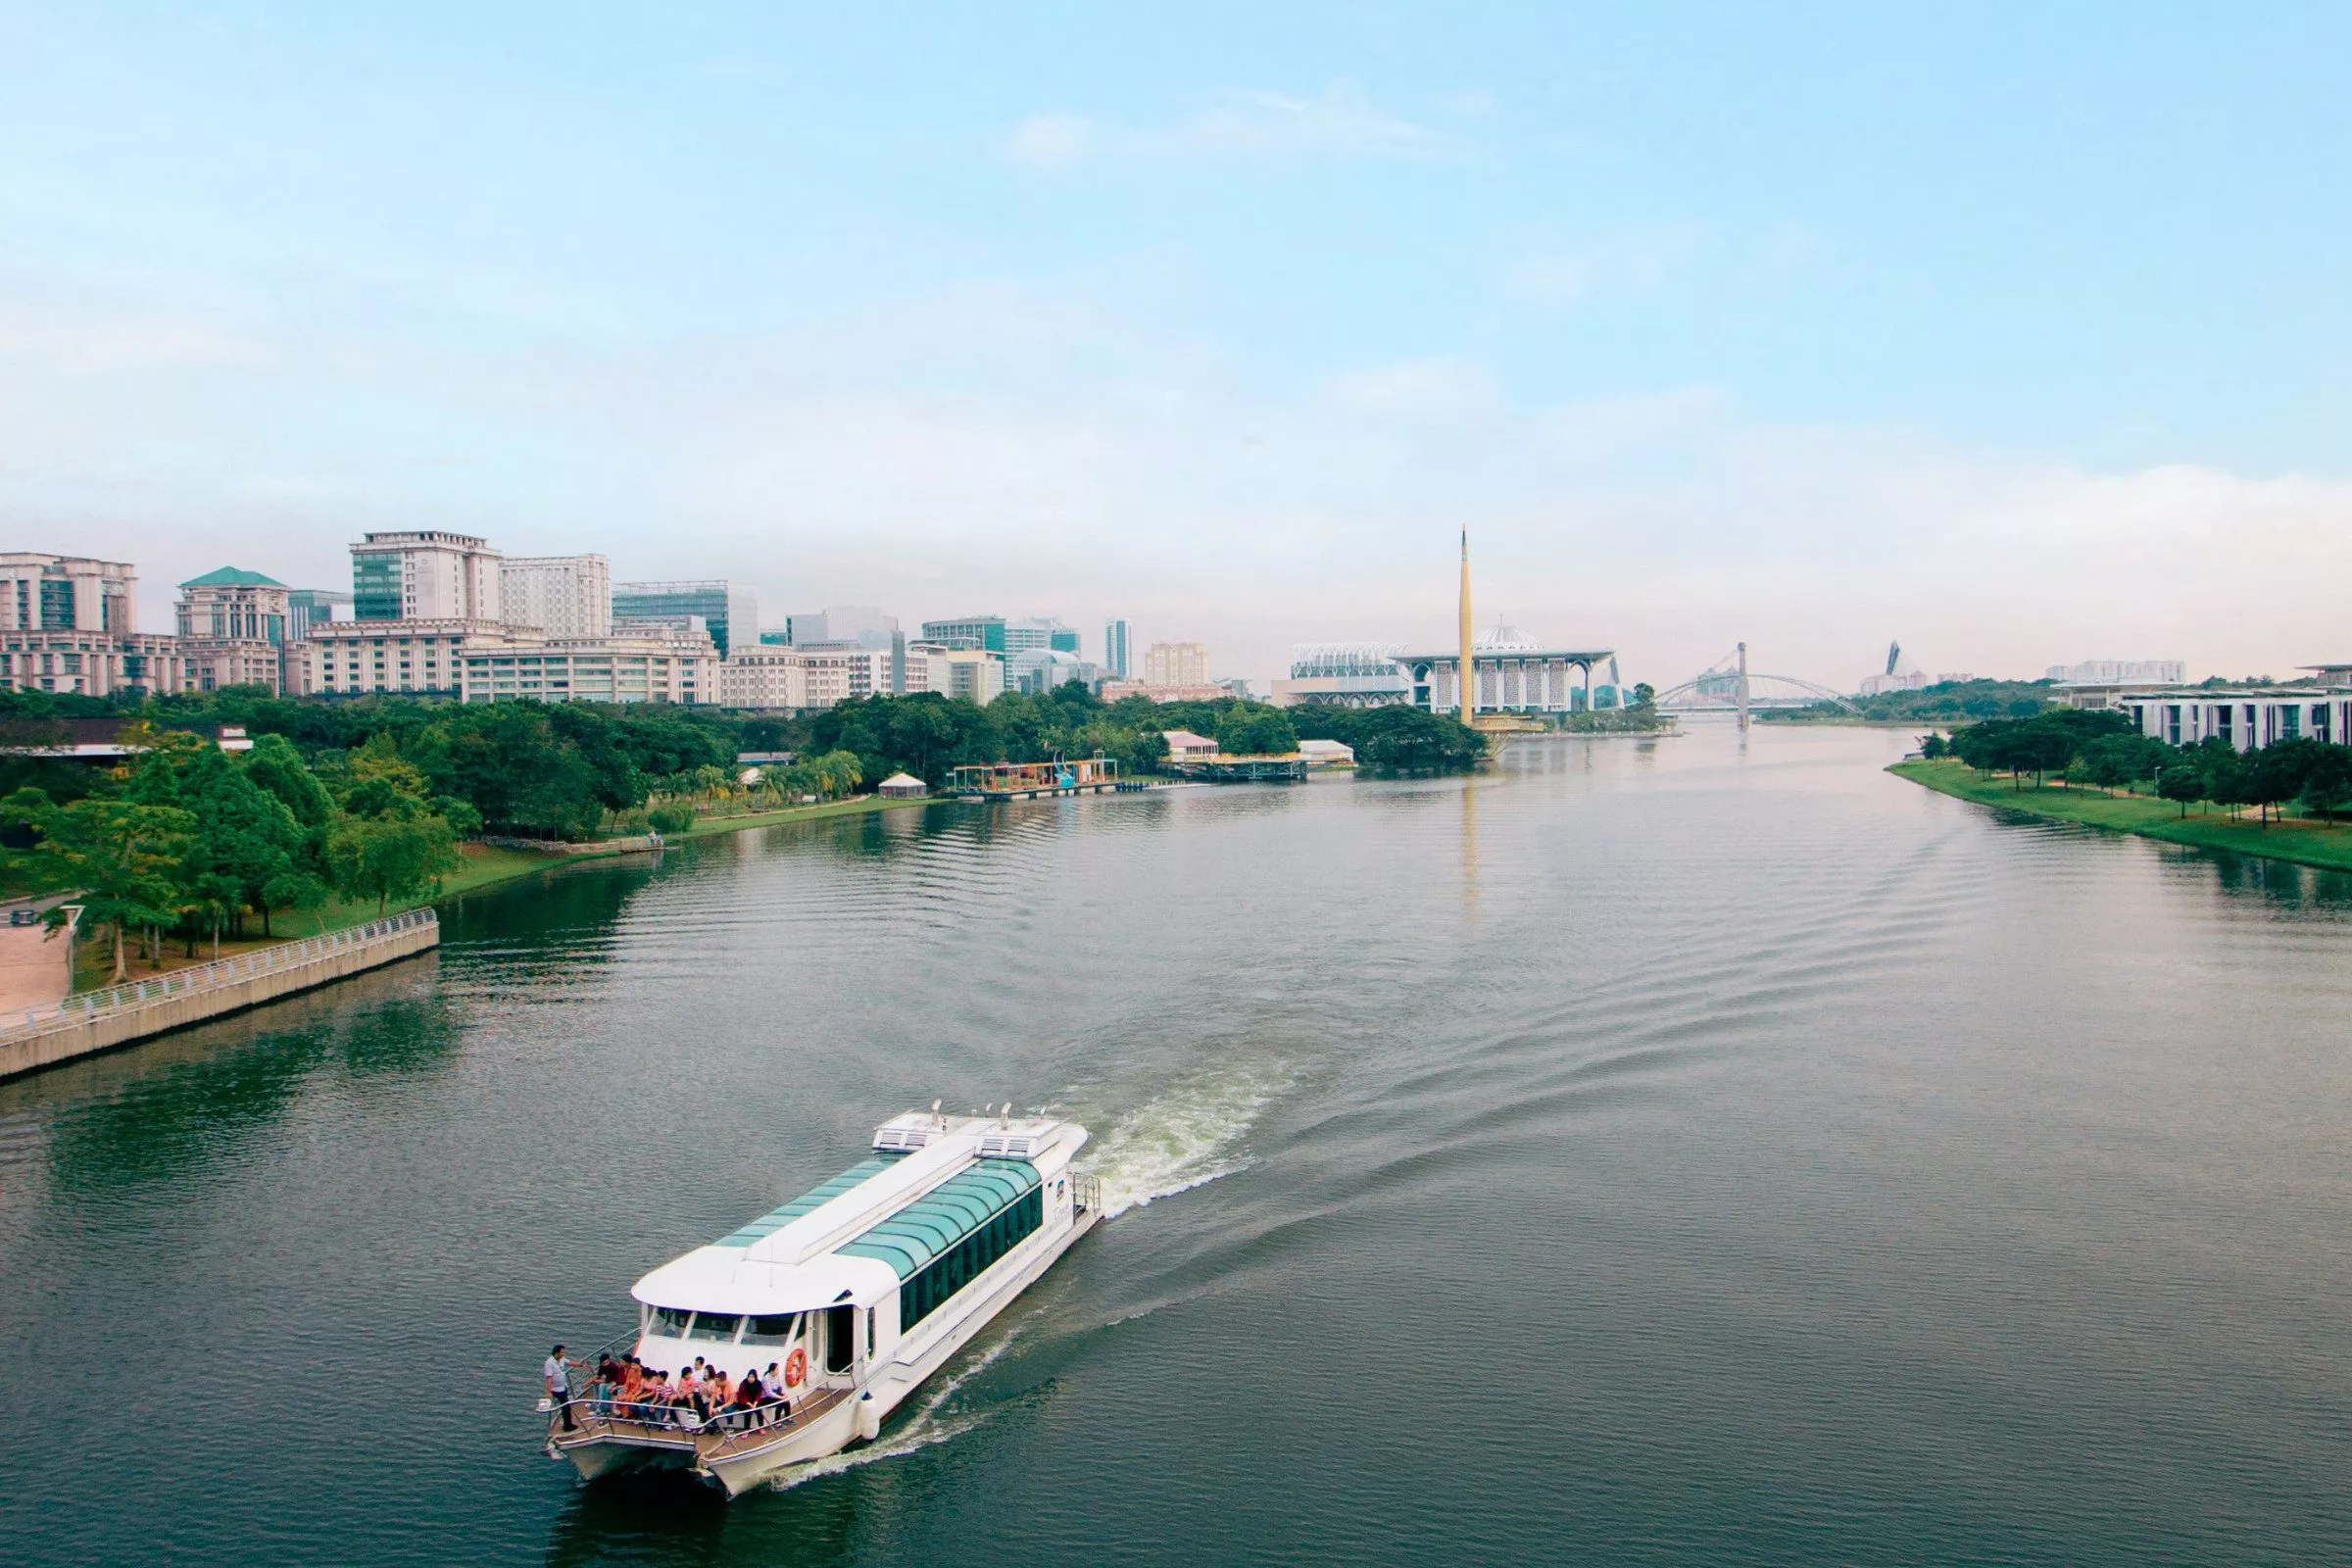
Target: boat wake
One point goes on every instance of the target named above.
(1186, 1136)
(1181, 1140)
(922, 1430)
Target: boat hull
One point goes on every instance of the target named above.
(859, 1418)
(600, 1453)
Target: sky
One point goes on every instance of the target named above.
(2017, 333)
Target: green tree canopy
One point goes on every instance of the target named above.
(1255, 731)
(122, 857)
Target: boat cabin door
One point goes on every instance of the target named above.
(841, 1338)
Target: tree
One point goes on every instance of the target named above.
(2111, 760)
(245, 838)
(2276, 773)
(2181, 780)
(1933, 746)
(1404, 739)
(925, 734)
(389, 858)
(836, 774)
(1644, 694)
(1256, 731)
(123, 856)
(274, 766)
(2328, 782)
(295, 890)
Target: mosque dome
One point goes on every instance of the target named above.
(1504, 640)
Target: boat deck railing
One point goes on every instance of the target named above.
(725, 1431)
(1086, 1192)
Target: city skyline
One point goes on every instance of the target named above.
(1709, 334)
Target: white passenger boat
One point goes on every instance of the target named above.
(856, 1291)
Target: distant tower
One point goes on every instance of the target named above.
(1743, 686)
(1466, 677)
(1894, 653)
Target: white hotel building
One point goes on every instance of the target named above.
(776, 678)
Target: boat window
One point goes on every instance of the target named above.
(718, 1326)
(667, 1323)
(773, 1330)
(964, 1263)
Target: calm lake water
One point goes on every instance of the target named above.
(1672, 1151)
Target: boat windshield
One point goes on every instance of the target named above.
(667, 1323)
(718, 1326)
(773, 1330)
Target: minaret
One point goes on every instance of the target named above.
(1466, 677)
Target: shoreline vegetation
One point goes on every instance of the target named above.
(2092, 767)
(2304, 841)
(178, 850)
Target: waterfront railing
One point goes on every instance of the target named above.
(217, 976)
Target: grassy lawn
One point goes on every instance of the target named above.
(704, 826)
(2299, 839)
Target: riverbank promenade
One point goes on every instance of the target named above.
(100, 1021)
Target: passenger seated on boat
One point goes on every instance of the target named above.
(653, 1401)
(773, 1382)
(719, 1391)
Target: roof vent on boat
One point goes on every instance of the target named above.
(895, 1137)
(1009, 1146)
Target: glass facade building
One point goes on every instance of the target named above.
(722, 606)
(985, 632)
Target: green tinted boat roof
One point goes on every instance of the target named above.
(945, 1215)
(775, 1219)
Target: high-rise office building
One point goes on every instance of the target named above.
(983, 632)
(69, 623)
(1176, 664)
(425, 575)
(1039, 631)
(308, 607)
(855, 625)
(233, 630)
(563, 596)
(1114, 649)
(1037, 671)
(726, 609)
(67, 593)
(972, 674)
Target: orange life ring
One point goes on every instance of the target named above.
(796, 1368)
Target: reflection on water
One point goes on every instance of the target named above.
(1670, 1149)
(161, 1110)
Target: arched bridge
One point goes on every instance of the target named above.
(1729, 686)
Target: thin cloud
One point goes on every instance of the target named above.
(1561, 278)
(1341, 120)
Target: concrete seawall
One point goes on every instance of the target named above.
(104, 1019)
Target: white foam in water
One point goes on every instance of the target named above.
(1183, 1138)
(923, 1428)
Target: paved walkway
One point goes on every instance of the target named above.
(35, 965)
